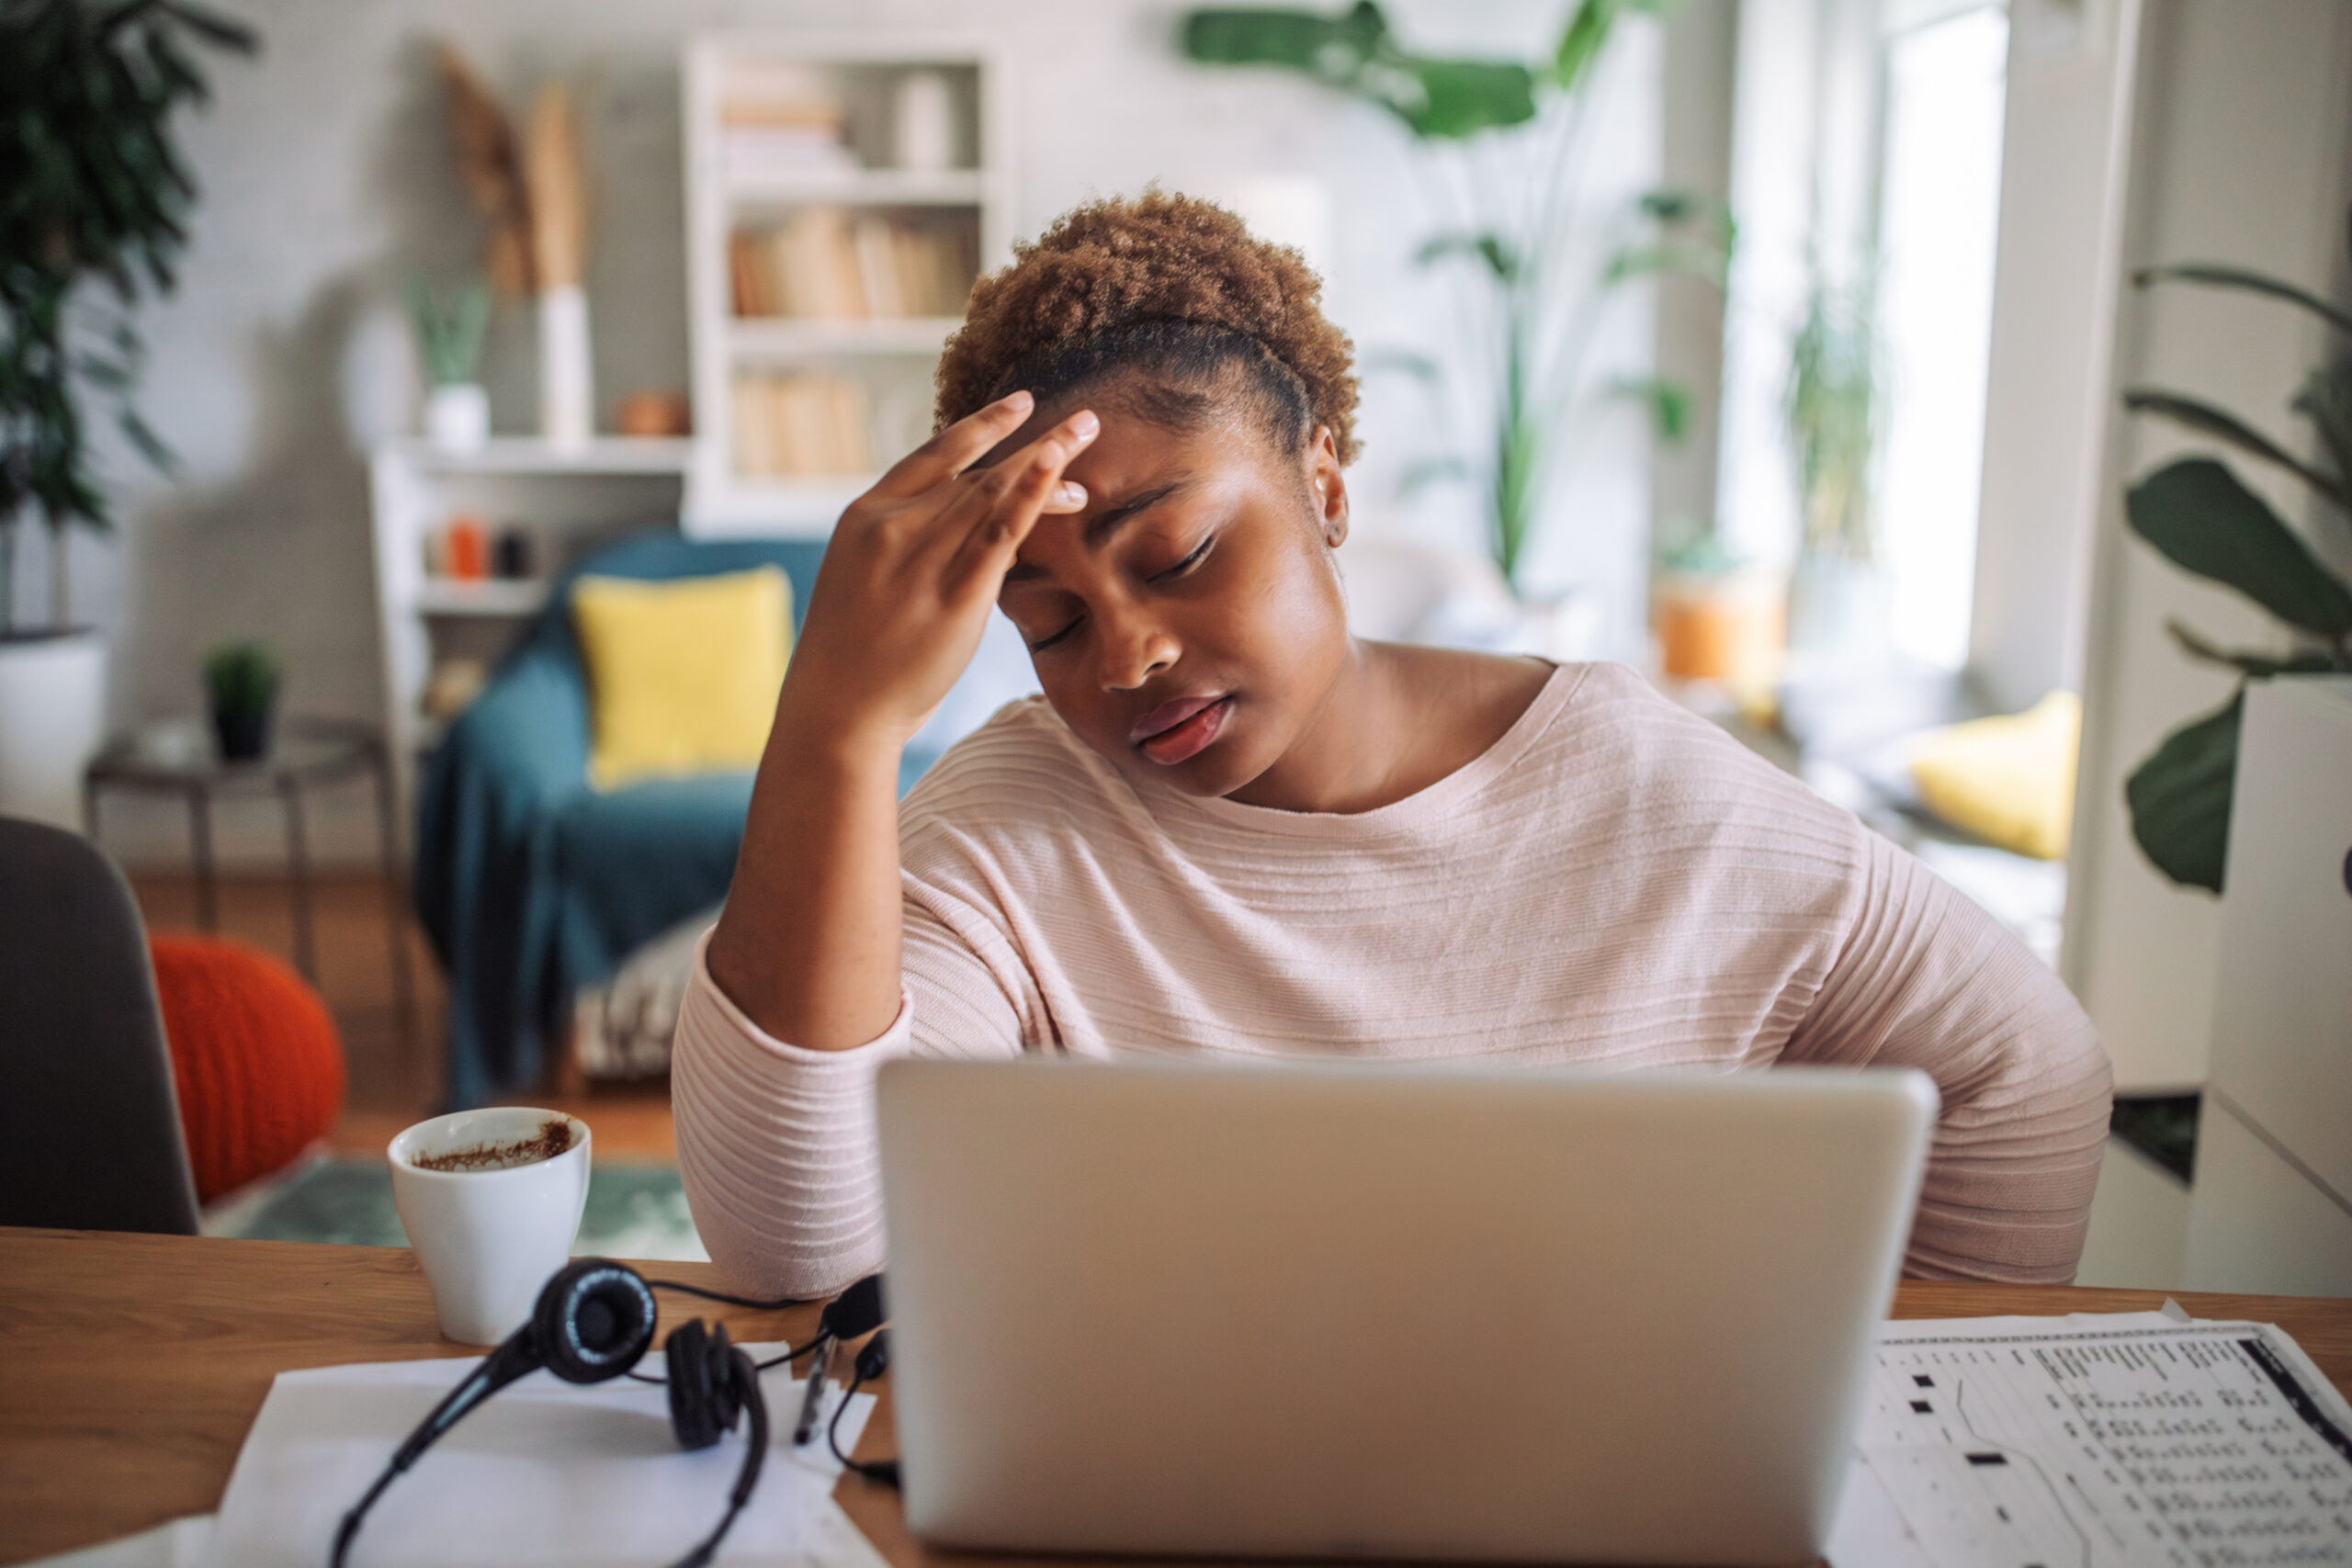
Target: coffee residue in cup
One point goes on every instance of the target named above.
(553, 1138)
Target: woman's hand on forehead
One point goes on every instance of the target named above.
(914, 568)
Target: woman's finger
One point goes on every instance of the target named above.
(1030, 478)
(955, 448)
(1037, 487)
(981, 493)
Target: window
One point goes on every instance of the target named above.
(1938, 205)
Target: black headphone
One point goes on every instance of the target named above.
(594, 1320)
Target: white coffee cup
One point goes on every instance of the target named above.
(488, 1239)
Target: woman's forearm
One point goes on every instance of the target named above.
(808, 946)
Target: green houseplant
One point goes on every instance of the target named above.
(241, 688)
(2203, 519)
(1830, 412)
(1505, 138)
(92, 187)
(450, 340)
(91, 191)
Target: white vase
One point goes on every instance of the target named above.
(53, 716)
(567, 393)
(922, 122)
(457, 419)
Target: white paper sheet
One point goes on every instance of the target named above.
(2093, 1440)
(544, 1472)
(174, 1543)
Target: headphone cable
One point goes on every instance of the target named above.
(872, 1362)
(721, 1296)
(790, 1354)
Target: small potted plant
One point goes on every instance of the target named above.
(240, 684)
(457, 410)
(1717, 615)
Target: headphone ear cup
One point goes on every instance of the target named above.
(595, 1318)
(703, 1397)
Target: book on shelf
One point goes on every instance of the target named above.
(799, 425)
(772, 124)
(821, 264)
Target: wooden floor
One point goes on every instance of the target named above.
(393, 1080)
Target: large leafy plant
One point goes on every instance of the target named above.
(1503, 140)
(91, 187)
(2205, 520)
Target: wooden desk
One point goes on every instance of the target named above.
(130, 1366)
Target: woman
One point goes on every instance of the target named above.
(1229, 828)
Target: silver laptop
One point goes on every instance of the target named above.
(1369, 1311)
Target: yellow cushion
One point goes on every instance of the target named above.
(2009, 781)
(681, 676)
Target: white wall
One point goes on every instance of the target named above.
(327, 184)
(2240, 157)
(2067, 141)
(1700, 68)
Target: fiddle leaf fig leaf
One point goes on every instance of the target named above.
(2326, 401)
(2244, 661)
(2207, 419)
(2197, 514)
(2180, 798)
(2212, 276)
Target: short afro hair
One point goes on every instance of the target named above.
(1168, 285)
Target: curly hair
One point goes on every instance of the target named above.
(1168, 285)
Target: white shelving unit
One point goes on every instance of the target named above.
(569, 500)
(891, 359)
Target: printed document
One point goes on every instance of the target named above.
(2085, 1441)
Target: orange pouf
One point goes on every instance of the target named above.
(254, 1056)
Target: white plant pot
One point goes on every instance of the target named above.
(1838, 610)
(457, 419)
(567, 393)
(52, 717)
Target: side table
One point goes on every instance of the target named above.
(179, 757)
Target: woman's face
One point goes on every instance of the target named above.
(1188, 623)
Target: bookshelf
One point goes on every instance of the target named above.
(564, 502)
(842, 190)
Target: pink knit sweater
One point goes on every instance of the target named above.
(1615, 882)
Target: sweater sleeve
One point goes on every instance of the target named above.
(776, 1142)
(1928, 980)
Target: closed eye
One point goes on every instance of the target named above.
(1043, 643)
(1200, 552)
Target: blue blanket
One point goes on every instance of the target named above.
(531, 884)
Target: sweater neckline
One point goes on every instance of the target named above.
(1435, 802)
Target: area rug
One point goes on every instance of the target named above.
(634, 1210)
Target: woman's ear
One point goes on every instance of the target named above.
(1326, 486)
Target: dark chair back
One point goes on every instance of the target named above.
(89, 1124)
